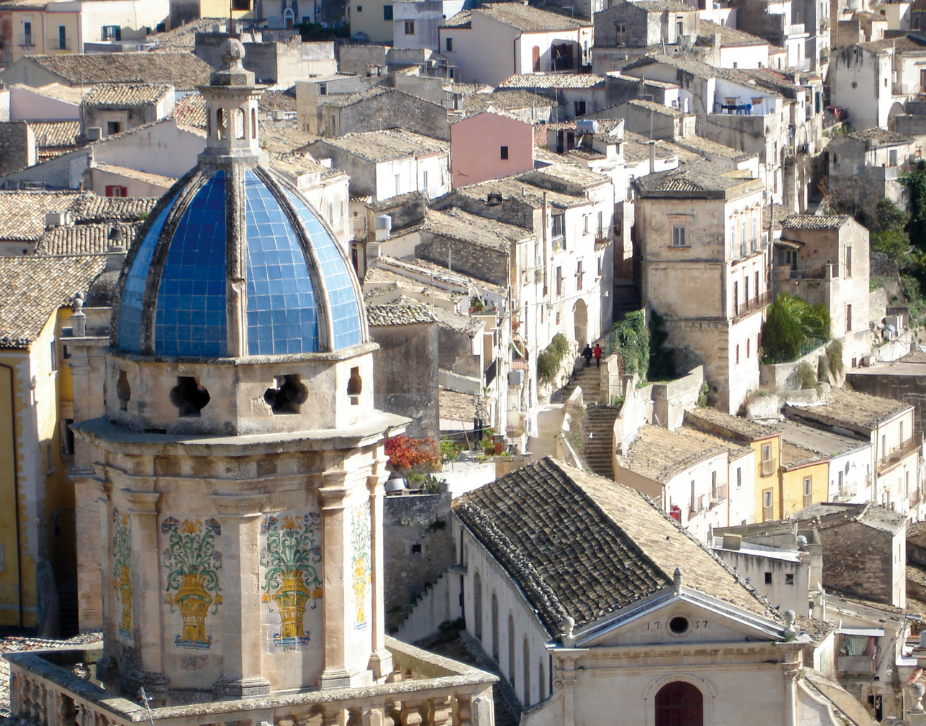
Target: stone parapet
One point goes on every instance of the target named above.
(45, 692)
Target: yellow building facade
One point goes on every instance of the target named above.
(767, 490)
(37, 506)
(804, 479)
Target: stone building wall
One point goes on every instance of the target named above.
(476, 261)
(17, 147)
(418, 544)
(405, 375)
(384, 111)
(858, 558)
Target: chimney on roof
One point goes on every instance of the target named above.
(115, 255)
(652, 156)
(56, 219)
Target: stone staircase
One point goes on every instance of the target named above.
(599, 422)
(599, 431)
(588, 379)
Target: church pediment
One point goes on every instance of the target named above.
(682, 618)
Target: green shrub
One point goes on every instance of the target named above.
(834, 360)
(793, 328)
(550, 360)
(806, 375)
(449, 450)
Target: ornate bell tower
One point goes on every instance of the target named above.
(240, 462)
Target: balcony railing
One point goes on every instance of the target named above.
(898, 453)
(796, 29)
(858, 664)
(767, 514)
(768, 467)
(825, 272)
(44, 692)
(751, 305)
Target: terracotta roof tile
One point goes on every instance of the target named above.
(82, 239)
(184, 71)
(33, 287)
(404, 314)
(527, 18)
(813, 221)
(125, 94)
(553, 80)
(583, 546)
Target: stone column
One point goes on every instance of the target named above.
(792, 671)
(381, 658)
(242, 673)
(147, 628)
(337, 569)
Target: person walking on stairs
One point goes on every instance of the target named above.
(587, 354)
(597, 354)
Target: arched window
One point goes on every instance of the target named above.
(511, 649)
(527, 674)
(495, 627)
(239, 123)
(679, 704)
(477, 607)
(541, 682)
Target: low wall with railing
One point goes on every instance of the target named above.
(783, 376)
(422, 686)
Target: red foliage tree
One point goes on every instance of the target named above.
(406, 453)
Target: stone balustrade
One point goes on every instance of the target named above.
(423, 690)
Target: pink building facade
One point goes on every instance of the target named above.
(488, 146)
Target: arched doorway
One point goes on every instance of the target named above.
(679, 704)
(289, 17)
(580, 323)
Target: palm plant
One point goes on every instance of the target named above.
(792, 327)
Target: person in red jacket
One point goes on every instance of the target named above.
(597, 353)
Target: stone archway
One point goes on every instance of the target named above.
(679, 703)
(580, 323)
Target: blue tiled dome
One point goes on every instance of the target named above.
(224, 231)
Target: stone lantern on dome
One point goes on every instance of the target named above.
(240, 457)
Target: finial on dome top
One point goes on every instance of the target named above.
(232, 55)
(232, 72)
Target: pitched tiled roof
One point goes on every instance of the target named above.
(662, 6)
(91, 208)
(165, 182)
(386, 145)
(474, 103)
(696, 178)
(814, 221)
(33, 287)
(82, 239)
(22, 214)
(659, 108)
(191, 110)
(184, 37)
(528, 19)
(457, 224)
(729, 36)
(342, 101)
(54, 90)
(553, 80)
(728, 425)
(405, 314)
(583, 546)
(858, 410)
(876, 137)
(702, 145)
(636, 148)
(184, 71)
(125, 94)
(55, 135)
(660, 454)
(462, 19)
